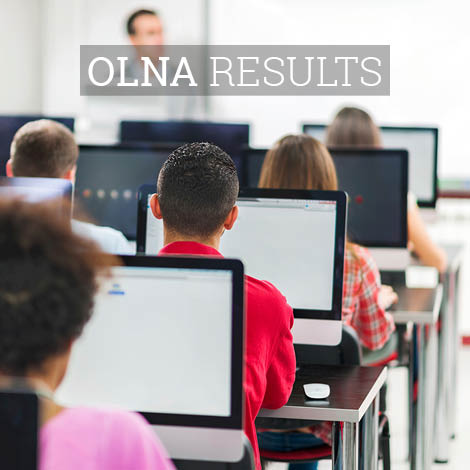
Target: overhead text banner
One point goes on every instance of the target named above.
(282, 70)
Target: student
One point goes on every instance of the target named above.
(48, 279)
(354, 127)
(301, 162)
(48, 149)
(196, 194)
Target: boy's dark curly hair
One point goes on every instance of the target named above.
(197, 187)
(47, 284)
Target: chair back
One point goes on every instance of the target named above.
(19, 424)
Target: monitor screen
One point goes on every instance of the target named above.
(230, 137)
(376, 182)
(251, 164)
(108, 179)
(10, 124)
(165, 339)
(290, 242)
(297, 230)
(35, 189)
(422, 146)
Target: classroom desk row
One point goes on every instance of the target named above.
(355, 391)
(444, 358)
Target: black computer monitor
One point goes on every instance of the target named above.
(294, 239)
(108, 180)
(230, 137)
(250, 166)
(166, 339)
(10, 124)
(422, 145)
(377, 184)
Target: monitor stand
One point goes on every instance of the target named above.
(195, 443)
(391, 259)
(317, 332)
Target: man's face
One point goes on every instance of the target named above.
(148, 31)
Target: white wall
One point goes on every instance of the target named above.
(429, 47)
(20, 40)
(68, 24)
(429, 68)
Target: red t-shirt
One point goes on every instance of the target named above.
(269, 355)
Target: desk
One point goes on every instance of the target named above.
(354, 396)
(421, 306)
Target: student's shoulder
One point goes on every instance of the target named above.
(108, 238)
(115, 435)
(263, 291)
(361, 259)
(100, 418)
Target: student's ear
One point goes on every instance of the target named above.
(70, 175)
(9, 170)
(155, 206)
(231, 218)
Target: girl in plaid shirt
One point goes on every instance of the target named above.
(353, 127)
(301, 162)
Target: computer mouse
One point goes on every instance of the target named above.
(317, 391)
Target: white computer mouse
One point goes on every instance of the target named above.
(317, 391)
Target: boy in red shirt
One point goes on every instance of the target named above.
(196, 194)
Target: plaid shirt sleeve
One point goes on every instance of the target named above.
(371, 322)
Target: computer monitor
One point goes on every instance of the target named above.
(38, 190)
(166, 340)
(422, 146)
(377, 184)
(10, 124)
(294, 239)
(109, 177)
(230, 137)
(376, 181)
(250, 166)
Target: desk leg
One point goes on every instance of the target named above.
(412, 372)
(455, 344)
(369, 457)
(345, 446)
(427, 337)
(336, 446)
(350, 446)
(444, 374)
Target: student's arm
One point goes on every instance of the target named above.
(370, 320)
(281, 373)
(421, 243)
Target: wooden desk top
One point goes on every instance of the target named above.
(353, 389)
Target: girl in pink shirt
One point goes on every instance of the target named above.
(47, 286)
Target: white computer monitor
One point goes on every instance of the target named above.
(294, 239)
(422, 145)
(166, 340)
